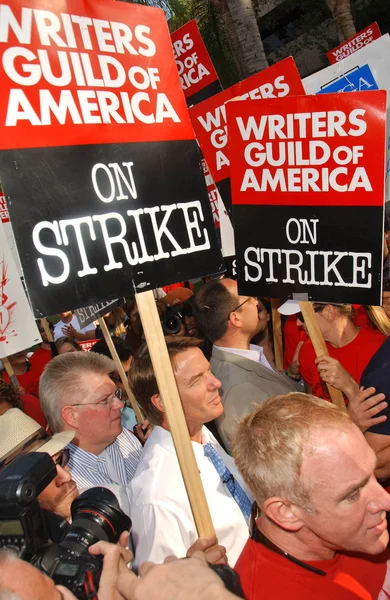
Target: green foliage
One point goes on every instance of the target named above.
(213, 33)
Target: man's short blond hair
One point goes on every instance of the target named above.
(62, 382)
(269, 443)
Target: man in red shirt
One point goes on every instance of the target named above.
(322, 528)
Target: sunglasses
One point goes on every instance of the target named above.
(316, 310)
(61, 458)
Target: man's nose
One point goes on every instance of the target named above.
(214, 383)
(381, 500)
(63, 475)
(116, 404)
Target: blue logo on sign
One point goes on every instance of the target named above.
(358, 81)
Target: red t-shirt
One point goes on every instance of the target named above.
(292, 335)
(354, 357)
(40, 358)
(32, 408)
(29, 381)
(266, 575)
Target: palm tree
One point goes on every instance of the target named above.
(341, 11)
(243, 34)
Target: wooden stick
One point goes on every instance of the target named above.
(174, 412)
(138, 413)
(45, 325)
(10, 371)
(277, 331)
(319, 346)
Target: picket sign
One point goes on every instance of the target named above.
(355, 43)
(319, 346)
(106, 334)
(69, 260)
(173, 409)
(277, 333)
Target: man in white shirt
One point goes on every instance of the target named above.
(230, 321)
(77, 393)
(68, 326)
(162, 521)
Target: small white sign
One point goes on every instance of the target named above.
(18, 329)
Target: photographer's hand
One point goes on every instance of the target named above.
(115, 561)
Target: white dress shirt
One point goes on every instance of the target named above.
(58, 333)
(255, 353)
(163, 524)
(113, 468)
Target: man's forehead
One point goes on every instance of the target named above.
(94, 381)
(335, 455)
(188, 361)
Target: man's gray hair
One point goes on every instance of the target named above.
(62, 382)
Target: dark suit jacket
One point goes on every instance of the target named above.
(245, 384)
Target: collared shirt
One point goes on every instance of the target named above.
(113, 468)
(254, 353)
(162, 521)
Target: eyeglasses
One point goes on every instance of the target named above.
(300, 315)
(62, 458)
(117, 395)
(239, 306)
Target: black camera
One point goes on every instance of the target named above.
(172, 320)
(26, 529)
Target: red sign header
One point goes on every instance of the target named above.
(76, 72)
(209, 117)
(196, 70)
(309, 150)
(364, 37)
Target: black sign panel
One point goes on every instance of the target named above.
(276, 264)
(98, 231)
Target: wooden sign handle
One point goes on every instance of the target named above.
(277, 333)
(49, 335)
(45, 326)
(319, 346)
(138, 413)
(174, 412)
(10, 371)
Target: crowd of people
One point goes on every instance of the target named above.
(296, 487)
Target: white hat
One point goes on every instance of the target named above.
(19, 434)
(291, 307)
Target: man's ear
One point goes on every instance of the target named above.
(235, 320)
(71, 416)
(329, 312)
(157, 402)
(283, 513)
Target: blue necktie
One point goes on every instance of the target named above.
(228, 479)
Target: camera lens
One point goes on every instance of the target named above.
(172, 321)
(96, 515)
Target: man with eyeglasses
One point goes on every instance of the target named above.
(230, 322)
(319, 528)
(19, 433)
(77, 393)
